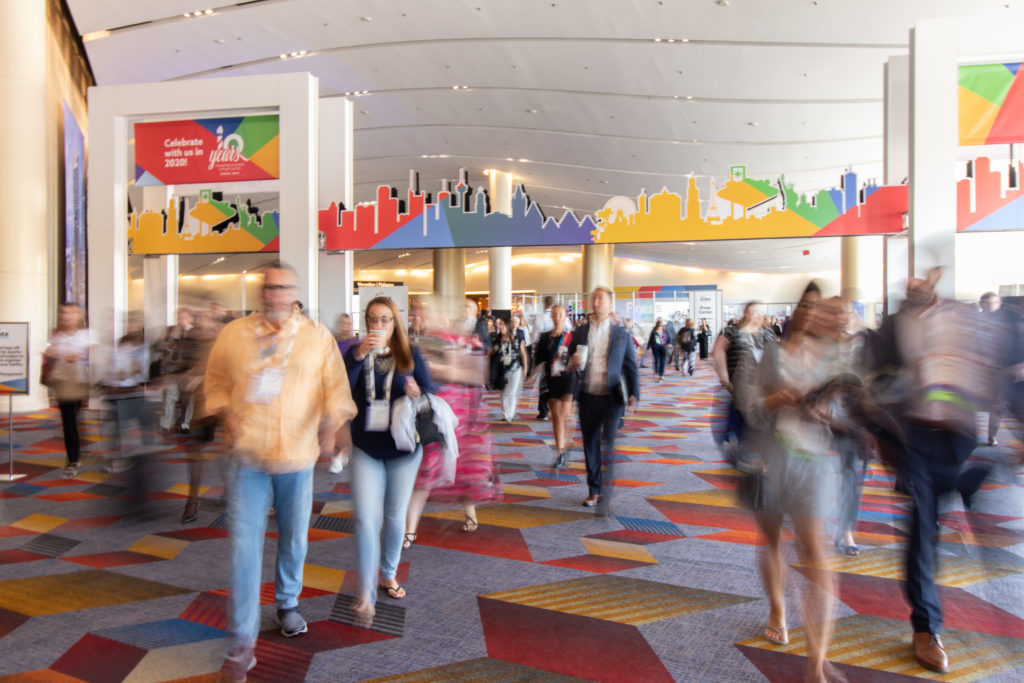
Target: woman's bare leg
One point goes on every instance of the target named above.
(818, 598)
(773, 570)
(412, 517)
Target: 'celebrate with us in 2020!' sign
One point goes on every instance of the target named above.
(207, 150)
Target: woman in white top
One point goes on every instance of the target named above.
(66, 372)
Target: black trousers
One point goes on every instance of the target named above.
(599, 422)
(69, 423)
(930, 467)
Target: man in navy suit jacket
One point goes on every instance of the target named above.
(609, 384)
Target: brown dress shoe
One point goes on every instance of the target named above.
(929, 652)
(591, 500)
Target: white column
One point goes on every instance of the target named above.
(499, 268)
(24, 259)
(895, 257)
(933, 148)
(334, 183)
(159, 274)
(300, 242)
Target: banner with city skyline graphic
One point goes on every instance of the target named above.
(744, 209)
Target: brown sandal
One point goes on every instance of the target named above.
(410, 538)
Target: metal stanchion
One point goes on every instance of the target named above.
(10, 476)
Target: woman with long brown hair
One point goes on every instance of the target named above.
(66, 372)
(382, 369)
(552, 358)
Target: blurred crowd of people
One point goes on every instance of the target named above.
(811, 399)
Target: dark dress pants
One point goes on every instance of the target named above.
(599, 422)
(69, 423)
(660, 356)
(931, 467)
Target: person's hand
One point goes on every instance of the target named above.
(370, 341)
(727, 384)
(631, 405)
(574, 361)
(412, 390)
(787, 398)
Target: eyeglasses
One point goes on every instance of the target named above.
(277, 288)
(383, 319)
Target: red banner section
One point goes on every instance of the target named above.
(207, 150)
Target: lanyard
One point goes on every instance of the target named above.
(268, 346)
(371, 388)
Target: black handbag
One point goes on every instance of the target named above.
(426, 428)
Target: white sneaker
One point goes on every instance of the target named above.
(337, 465)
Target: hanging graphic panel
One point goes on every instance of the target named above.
(991, 104)
(207, 150)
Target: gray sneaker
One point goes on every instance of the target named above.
(292, 623)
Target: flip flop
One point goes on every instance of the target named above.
(470, 526)
(409, 539)
(851, 550)
(395, 592)
(770, 633)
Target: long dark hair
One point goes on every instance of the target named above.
(401, 351)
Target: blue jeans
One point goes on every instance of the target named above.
(250, 495)
(381, 490)
(931, 467)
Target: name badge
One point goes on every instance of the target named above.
(265, 386)
(378, 416)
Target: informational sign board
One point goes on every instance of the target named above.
(225, 149)
(14, 367)
(400, 295)
(707, 305)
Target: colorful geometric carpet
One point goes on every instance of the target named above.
(662, 587)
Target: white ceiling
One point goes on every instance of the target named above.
(576, 92)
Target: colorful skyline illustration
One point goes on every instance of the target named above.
(212, 226)
(986, 201)
(756, 209)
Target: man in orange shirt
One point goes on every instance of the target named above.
(272, 377)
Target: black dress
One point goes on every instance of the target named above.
(553, 350)
(702, 342)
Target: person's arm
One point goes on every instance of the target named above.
(353, 366)
(718, 360)
(421, 372)
(336, 392)
(523, 358)
(630, 373)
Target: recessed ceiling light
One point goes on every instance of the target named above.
(671, 40)
(657, 40)
(531, 111)
(365, 18)
(689, 97)
(208, 12)
(752, 123)
(684, 40)
(455, 87)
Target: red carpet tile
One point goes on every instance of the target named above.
(494, 541)
(8, 531)
(592, 649)
(330, 635)
(208, 609)
(705, 515)
(14, 555)
(99, 660)
(671, 461)
(89, 522)
(783, 667)
(69, 496)
(117, 558)
(598, 564)
(199, 533)
(10, 620)
(279, 663)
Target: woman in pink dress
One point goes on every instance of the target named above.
(457, 364)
